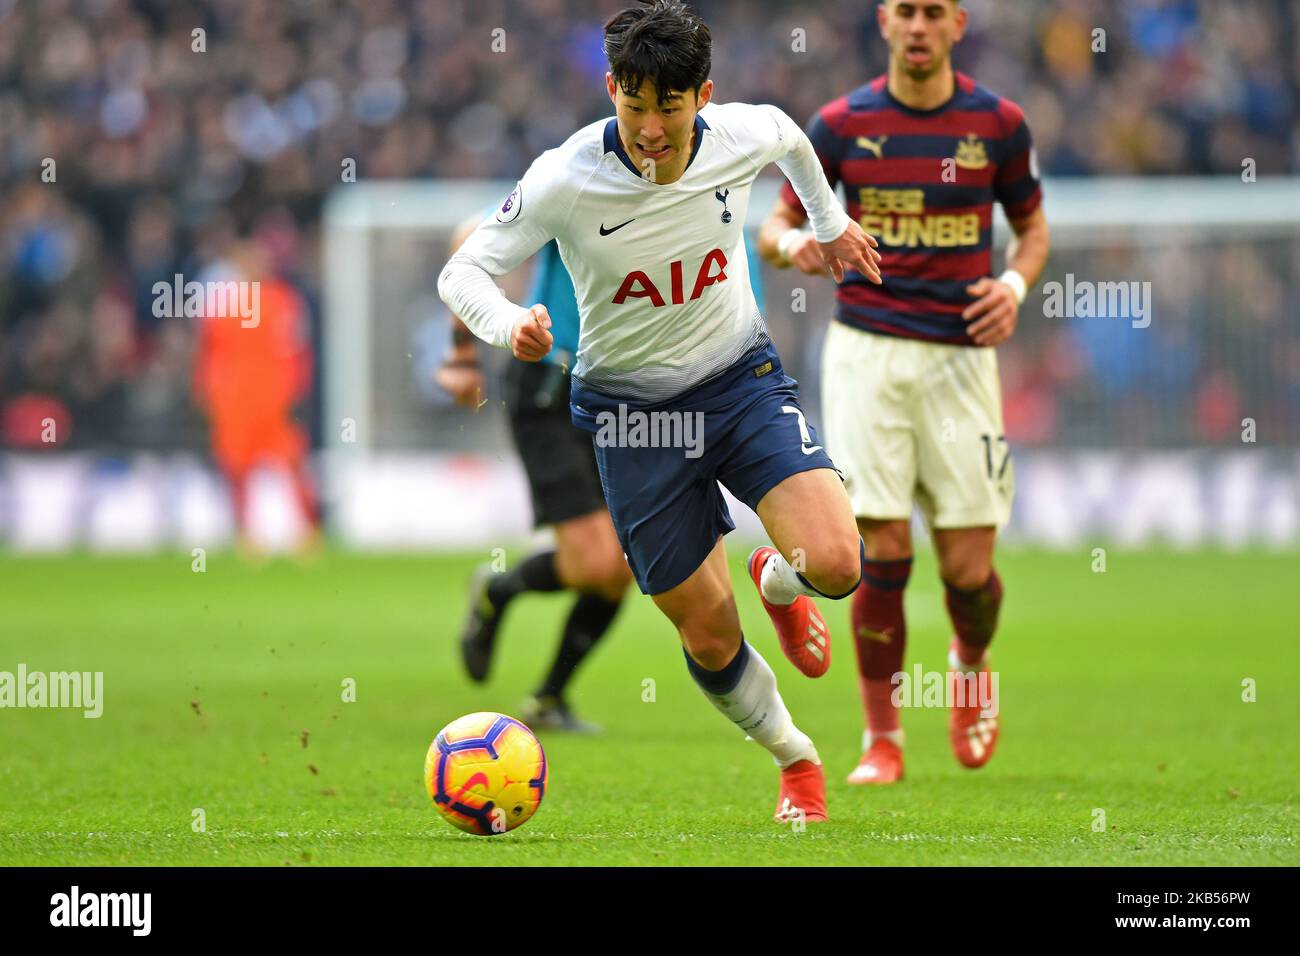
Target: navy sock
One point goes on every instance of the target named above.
(725, 680)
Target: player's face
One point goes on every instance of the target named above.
(654, 132)
(921, 33)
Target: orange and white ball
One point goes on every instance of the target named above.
(486, 773)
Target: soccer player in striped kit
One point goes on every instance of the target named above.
(911, 399)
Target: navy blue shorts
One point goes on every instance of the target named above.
(743, 428)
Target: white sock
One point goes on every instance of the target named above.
(755, 706)
(780, 582)
(955, 662)
(893, 736)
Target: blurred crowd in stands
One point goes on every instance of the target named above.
(142, 138)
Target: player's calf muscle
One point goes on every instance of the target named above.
(710, 631)
(703, 609)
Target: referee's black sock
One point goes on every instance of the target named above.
(536, 572)
(588, 621)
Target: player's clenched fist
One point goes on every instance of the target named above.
(854, 249)
(530, 339)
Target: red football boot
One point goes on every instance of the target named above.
(801, 629)
(973, 736)
(803, 787)
(882, 763)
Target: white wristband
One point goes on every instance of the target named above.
(787, 239)
(1018, 285)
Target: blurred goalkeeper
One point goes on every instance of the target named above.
(248, 377)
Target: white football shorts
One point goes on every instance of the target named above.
(913, 421)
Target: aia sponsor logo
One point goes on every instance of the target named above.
(639, 285)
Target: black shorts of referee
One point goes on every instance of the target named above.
(558, 457)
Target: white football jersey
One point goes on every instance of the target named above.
(660, 271)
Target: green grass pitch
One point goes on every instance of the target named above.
(1121, 692)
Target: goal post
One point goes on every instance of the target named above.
(1145, 397)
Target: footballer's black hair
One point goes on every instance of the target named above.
(662, 41)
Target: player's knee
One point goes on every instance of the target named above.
(887, 541)
(966, 575)
(590, 569)
(710, 635)
(838, 570)
(712, 651)
(614, 578)
(612, 573)
(623, 577)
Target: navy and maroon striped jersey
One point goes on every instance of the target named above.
(923, 183)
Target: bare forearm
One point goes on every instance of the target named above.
(1028, 250)
(770, 233)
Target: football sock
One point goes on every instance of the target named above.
(590, 618)
(537, 572)
(880, 637)
(745, 691)
(974, 617)
(893, 736)
(781, 583)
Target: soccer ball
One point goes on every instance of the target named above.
(486, 773)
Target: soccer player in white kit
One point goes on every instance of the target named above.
(676, 376)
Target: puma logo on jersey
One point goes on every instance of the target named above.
(876, 146)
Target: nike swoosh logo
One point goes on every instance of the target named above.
(606, 232)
